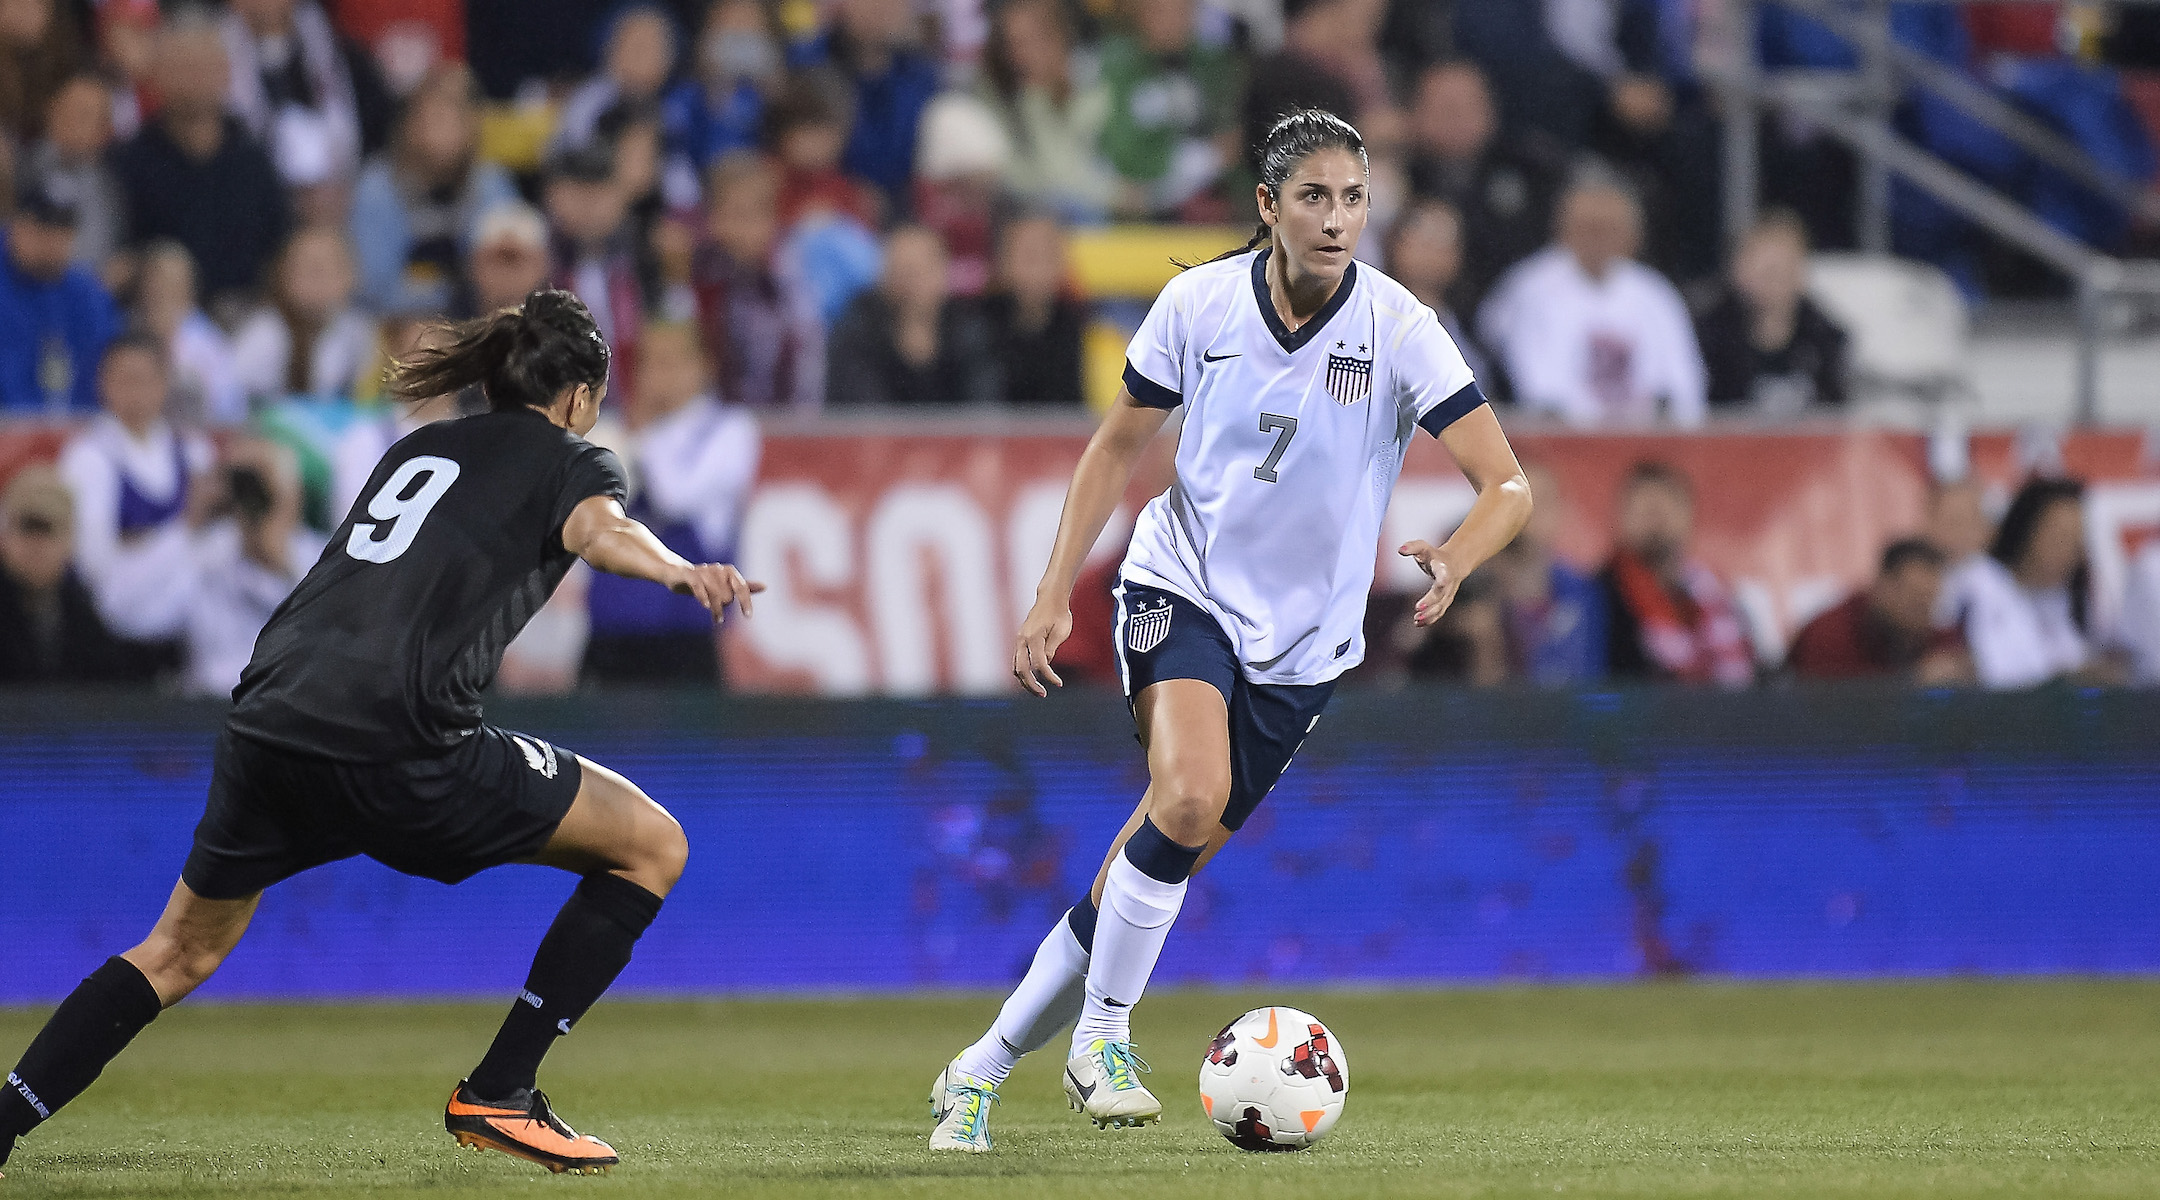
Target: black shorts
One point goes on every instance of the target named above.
(1161, 635)
(496, 798)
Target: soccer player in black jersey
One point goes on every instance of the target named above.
(356, 728)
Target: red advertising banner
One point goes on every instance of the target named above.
(902, 558)
(902, 553)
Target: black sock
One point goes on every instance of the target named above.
(92, 1026)
(584, 950)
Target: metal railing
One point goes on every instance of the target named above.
(1858, 108)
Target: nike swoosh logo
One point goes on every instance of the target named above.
(1085, 1090)
(1268, 1042)
(1206, 357)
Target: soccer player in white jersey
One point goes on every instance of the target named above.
(1303, 376)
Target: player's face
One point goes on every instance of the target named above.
(1321, 212)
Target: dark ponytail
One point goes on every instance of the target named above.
(1298, 134)
(520, 357)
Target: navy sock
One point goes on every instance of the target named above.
(1159, 858)
(584, 950)
(1081, 918)
(90, 1028)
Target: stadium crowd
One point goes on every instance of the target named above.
(227, 219)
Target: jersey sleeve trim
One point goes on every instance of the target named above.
(1452, 409)
(1148, 393)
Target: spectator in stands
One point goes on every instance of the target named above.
(417, 204)
(1766, 346)
(1425, 254)
(126, 38)
(2140, 632)
(1553, 614)
(960, 166)
(249, 564)
(1602, 75)
(905, 342)
(1418, 33)
(311, 96)
(1054, 122)
(763, 334)
(1173, 125)
(694, 460)
(1570, 70)
(1301, 74)
(195, 175)
(594, 257)
(1886, 628)
(635, 67)
(2029, 601)
(1037, 327)
(807, 131)
(872, 44)
(40, 49)
(1586, 332)
(306, 339)
(143, 489)
(509, 259)
(1331, 52)
(1958, 525)
(660, 245)
(205, 376)
(1468, 644)
(55, 317)
(719, 107)
(76, 150)
(1502, 188)
(1669, 618)
(54, 633)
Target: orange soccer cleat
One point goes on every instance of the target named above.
(526, 1127)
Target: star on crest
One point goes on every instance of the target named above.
(1342, 345)
(1361, 347)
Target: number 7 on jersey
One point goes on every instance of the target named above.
(1271, 423)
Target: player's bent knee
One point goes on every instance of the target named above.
(1189, 808)
(671, 853)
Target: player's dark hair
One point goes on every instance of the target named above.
(1288, 142)
(1911, 552)
(2021, 524)
(520, 357)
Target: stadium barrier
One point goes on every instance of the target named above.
(1429, 835)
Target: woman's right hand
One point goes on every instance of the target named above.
(1047, 626)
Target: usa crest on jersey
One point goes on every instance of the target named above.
(1349, 380)
(1146, 628)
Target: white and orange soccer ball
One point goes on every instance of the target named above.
(1274, 1079)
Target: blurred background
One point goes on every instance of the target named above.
(1829, 331)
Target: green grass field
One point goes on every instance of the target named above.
(2040, 1088)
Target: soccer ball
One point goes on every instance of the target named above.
(1274, 1079)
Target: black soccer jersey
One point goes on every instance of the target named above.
(383, 650)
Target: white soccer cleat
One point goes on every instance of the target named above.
(1103, 1085)
(961, 1104)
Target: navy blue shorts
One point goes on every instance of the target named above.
(1162, 635)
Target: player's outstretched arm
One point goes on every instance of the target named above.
(602, 534)
(1503, 503)
(1106, 466)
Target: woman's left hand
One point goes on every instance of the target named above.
(1431, 560)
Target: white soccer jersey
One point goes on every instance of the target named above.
(1291, 446)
